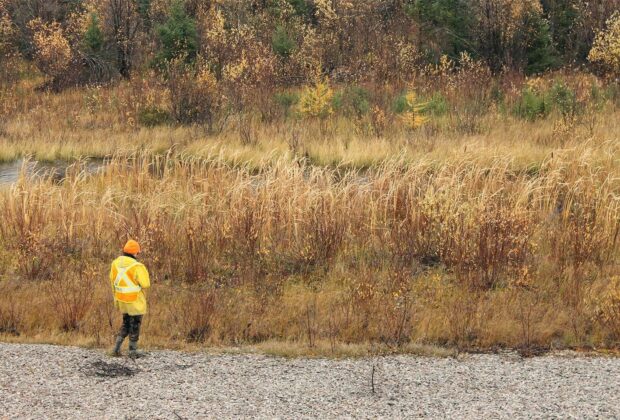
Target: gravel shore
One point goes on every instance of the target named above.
(39, 381)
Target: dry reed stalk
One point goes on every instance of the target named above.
(373, 237)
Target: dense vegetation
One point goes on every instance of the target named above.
(205, 61)
(320, 172)
(281, 43)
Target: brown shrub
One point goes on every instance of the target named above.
(71, 293)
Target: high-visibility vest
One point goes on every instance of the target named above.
(125, 290)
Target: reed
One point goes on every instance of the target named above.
(464, 251)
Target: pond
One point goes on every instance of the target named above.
(10, 171)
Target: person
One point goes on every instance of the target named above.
(129, 279)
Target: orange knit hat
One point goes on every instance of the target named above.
(132, 247)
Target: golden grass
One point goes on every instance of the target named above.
(313, 240)
(71, 125)
(461, 252)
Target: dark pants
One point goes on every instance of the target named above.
(131, 327)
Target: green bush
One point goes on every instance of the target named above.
(354, 101)
(532, 105)
(153, 116)
(400, 104)
(282, 42)
(437, 105)
(338, 101)
(612, 93)
(287, 100)
(303, 8)
(597, 97)
(563, 98)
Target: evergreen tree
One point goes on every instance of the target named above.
(540, 52)
(301, 7)
(144, 9)
(93, 37)
(449, 21)
(305, 9)
(282, 42)
(178, 36)
(563, 16)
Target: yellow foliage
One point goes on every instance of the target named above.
(325, 11)
(378, 120)
(606, 47)
(209, 88)
(206, 78)
(235, 72)
(537, 84)
(408, 56)
(507, 16)
(316, 101)
(413, 117)
(52, 50)
(77, 22)
(454, 75)
(213, 24)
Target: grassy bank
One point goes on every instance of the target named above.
(527, 124)
(465, 252)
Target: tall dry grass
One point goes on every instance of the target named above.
(466, 251)
(466, 113)
(479, 229)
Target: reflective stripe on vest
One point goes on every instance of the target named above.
(129, 292)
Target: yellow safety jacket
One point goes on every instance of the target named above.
(129, 278)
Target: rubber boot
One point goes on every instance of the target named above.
(117, 346)
(133, 350)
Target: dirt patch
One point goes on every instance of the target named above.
(103, 369)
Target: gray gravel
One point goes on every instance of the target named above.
(38, 381)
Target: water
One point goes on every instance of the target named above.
(10, 171)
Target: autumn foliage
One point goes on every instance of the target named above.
(606, 48)
(316, 171)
